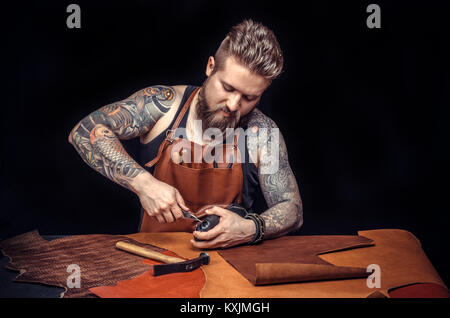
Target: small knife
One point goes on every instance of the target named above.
(189, 215)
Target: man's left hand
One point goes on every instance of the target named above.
(231, 230)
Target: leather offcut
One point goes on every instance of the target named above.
(175, 285)
(294, 259)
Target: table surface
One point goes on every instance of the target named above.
(386, 241)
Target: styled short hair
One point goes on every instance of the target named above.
(254, 46)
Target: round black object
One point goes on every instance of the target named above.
(207, 224)
(212, 220)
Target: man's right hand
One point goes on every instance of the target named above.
(159, 199)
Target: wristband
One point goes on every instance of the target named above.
(260, 227)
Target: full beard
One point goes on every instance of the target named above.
(211, 116)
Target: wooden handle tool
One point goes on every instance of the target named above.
(142, 251)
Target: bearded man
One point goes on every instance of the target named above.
(171, 181)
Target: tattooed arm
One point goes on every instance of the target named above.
(97, 139)
(278, 184)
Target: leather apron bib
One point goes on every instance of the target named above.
(202, 180)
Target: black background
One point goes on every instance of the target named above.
(364, 112)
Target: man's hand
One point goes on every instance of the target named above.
(231, 230)
(159, 199)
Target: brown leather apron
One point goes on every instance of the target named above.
(200, 181)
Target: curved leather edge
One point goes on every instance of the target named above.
(430, 277)
(273, 273)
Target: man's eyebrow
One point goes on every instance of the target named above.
(232, 88)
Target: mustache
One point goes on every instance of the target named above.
(224, 108)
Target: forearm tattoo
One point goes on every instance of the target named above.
(280, 189)
(97, 137)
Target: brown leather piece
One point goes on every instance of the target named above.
(276, 273)
(176, 285)
(46, 262)
(397, 252)
(293, 258)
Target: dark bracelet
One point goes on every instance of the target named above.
(260, 227)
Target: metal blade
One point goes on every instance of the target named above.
(189, 215)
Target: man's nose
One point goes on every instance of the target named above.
(234, 102)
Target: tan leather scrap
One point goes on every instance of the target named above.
(397, 252)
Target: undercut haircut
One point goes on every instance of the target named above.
(254, 46)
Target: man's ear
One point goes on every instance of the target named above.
(210, 66)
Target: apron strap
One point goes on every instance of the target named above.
(170, 132)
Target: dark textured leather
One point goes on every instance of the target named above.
(45, 262)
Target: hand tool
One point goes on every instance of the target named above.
(190, 215)
(173, 264)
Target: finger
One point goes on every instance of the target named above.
(160, 218)
(176, 212)
(209, 235)
(217, 211)
(202, 211)
(217, 243)
(153, 214)
(168, 217)
(201, 245)
(181, 202)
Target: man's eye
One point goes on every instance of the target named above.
(228, 89)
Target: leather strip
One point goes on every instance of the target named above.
(172, 129)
